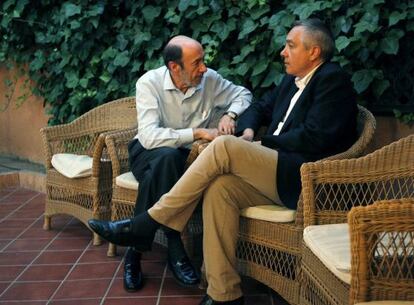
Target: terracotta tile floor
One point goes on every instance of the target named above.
(62, 267)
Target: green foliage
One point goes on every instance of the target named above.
(83, 53)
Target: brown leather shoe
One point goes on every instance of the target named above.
(207, 300)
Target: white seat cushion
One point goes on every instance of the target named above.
(127, 180)
(272, 213)
(331, 244)
(72, 166)
(387, 303)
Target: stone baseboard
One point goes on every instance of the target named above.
(26, 179)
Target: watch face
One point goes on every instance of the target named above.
(232, 115)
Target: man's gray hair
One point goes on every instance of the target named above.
(317, 33)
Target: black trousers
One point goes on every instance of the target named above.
(157, 170)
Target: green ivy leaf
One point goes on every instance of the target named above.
(7, 4)
(272, 76)
(342, 42)
(38, 61)
(109, 53)
(395, 17)
(368, 22)
(185, 4)
(72, 79)
(362, 79)
(172, 17)
(242, 69)
(380, 85)
(390, 43)
(122, 59)
(150, 13)
(248, 26)
(75, 25)
(71, 9)
(307, 9)
(260, 66)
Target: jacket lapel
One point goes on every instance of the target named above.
(280, 111)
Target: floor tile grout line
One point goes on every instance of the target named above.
(30, 264)
(8, 195)
(111, 282)
(161, 285)
(20, 207)
(70, 270)
(24, 231)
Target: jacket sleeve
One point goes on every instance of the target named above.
(259, 113)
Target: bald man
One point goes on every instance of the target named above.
(177, 104)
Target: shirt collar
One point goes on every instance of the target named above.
(169, 84)
(302, 82)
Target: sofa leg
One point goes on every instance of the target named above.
(97, 241)
(111, 250)
(47, 223)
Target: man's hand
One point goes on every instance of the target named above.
(226, 125)
(248, 134)
(208, 134)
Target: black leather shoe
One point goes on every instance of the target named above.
(183, 271)
(132, 271)
(120, 233)
(207, 300)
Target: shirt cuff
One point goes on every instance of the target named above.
(236, 109)
(186, 136)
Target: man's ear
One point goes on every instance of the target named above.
(173, 66)
(315, 52)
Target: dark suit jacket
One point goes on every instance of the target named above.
(322, 123)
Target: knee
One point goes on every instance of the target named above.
(171, 155)
(220, 191)
(225, 141)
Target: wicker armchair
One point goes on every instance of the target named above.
(123, 199)
(270, 252)
(330, 190)
(87, 197)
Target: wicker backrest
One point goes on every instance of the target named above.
(366, 125)
(81, 135)
(382, 251)
(331, 188)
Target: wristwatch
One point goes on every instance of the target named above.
(232, 114)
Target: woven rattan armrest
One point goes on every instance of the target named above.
(117, 145)
(382, 268)
(341, 184)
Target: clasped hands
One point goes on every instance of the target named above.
(226, 126)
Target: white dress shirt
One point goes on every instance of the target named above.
(301, 84)
(166, 116)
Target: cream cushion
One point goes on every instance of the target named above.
(272, 213)
(127, 180)
(331, 244)
(72, 166)
(387, 303)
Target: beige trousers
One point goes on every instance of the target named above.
(231, 174)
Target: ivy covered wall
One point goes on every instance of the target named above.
(82, 53)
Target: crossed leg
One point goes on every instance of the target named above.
(232, 174)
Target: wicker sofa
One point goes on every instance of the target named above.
(380, 270)
(270, 251)
(90, 196)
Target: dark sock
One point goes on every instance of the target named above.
(143, 224)
(134, 254)
(175, 244)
